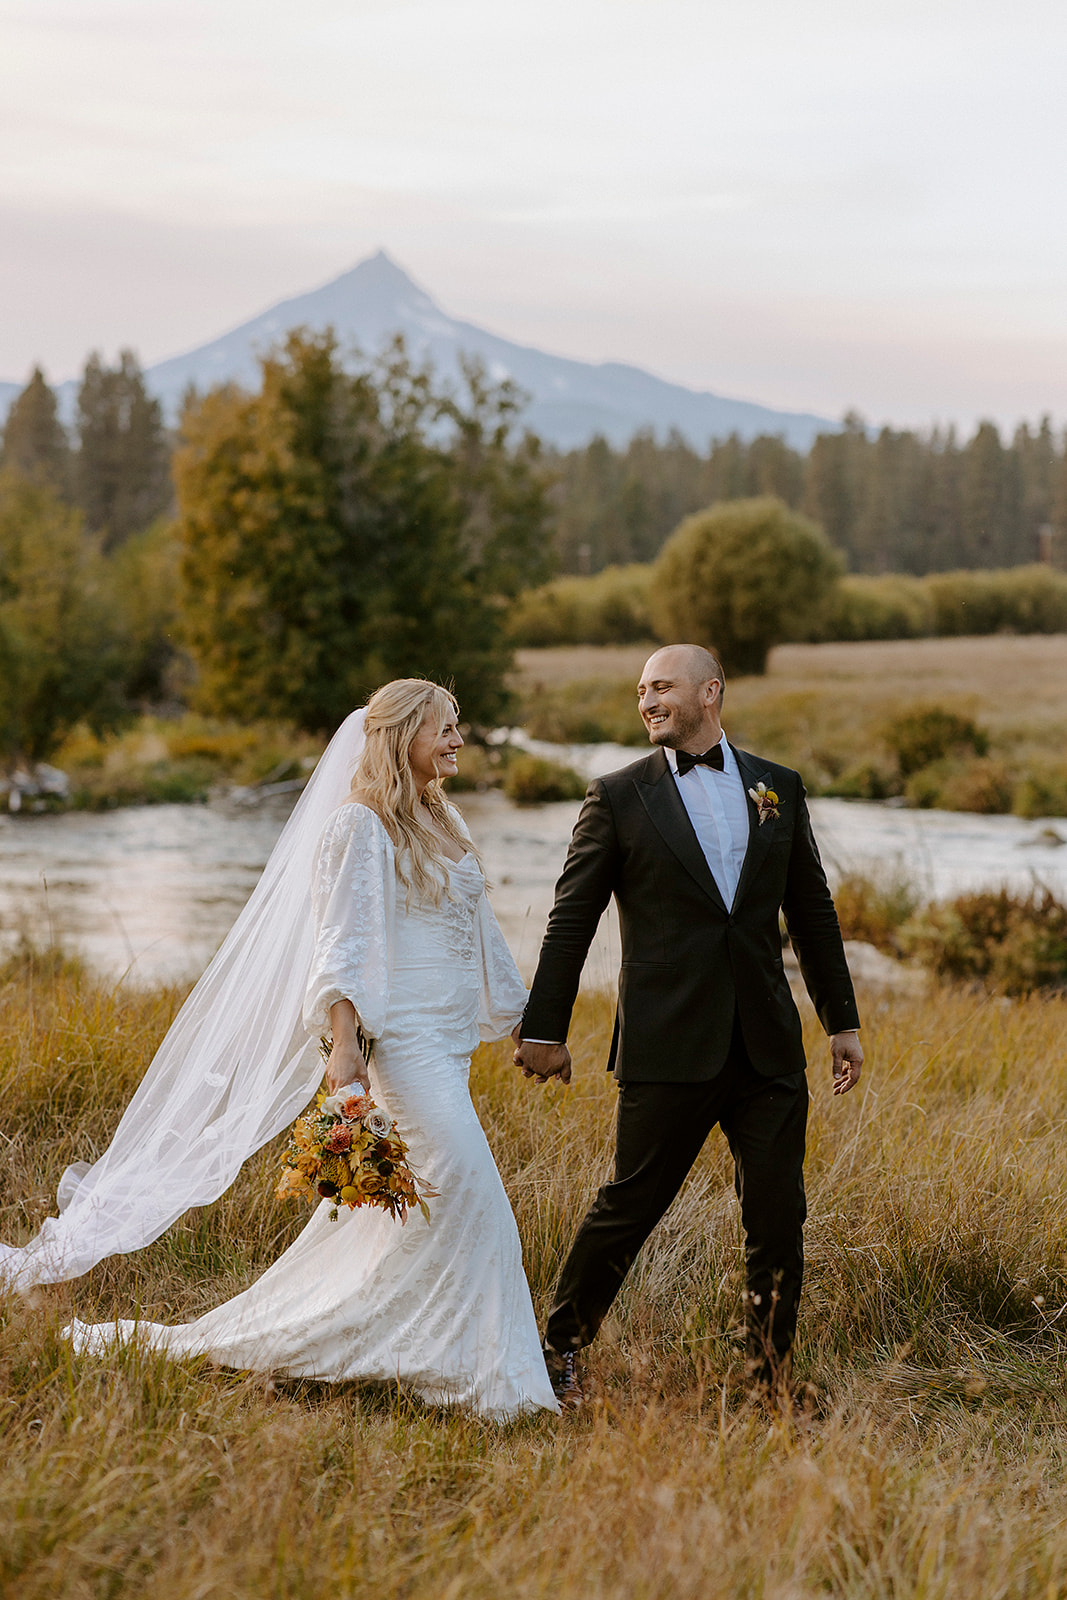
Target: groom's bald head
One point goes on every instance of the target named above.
(690, 662)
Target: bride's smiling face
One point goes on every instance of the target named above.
(433, 750)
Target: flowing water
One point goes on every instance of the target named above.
(150, 891)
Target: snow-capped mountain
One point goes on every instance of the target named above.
(570, 401)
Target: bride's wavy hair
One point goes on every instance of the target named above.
(383, 781)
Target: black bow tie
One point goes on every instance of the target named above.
(711, 758)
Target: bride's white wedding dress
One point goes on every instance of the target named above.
(441, 1307)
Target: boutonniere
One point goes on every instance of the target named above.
(765, 801)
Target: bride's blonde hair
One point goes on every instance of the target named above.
(383, 781)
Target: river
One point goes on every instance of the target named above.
(148, 892)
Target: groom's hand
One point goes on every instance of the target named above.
(847, 1056)
(543, 1061)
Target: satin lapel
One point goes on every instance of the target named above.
(760, 835)
(659, 794)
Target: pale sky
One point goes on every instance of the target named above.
(811, 203)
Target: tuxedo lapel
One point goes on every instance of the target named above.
(760, 834)
(660, 797)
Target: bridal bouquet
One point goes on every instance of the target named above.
(346, 1149)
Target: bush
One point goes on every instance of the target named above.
(874, 910)
(865, 780)
(742, 577)
(155, 761)
(598, 711)
(986, 786)
(1014, 944)
(1042, 794)
(530, 780)
(890, 607)
(930, 733)
(611, 607)
(1030, 599)
(983, 785)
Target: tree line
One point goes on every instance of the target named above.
(895, 501)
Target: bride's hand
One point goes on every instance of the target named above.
(347, 1065)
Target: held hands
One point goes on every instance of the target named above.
(541, 1061)
(847, 1058)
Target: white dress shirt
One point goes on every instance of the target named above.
(718, 809)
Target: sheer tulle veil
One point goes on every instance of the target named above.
(235, 1067)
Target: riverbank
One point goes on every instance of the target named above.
(970, 725)
(189, 759)
(930, 1458)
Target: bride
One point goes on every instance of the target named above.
(394, 942)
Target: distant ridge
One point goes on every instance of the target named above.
(571, 401)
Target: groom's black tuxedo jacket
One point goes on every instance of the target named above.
(688, 964)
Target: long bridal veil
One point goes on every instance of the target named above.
(234, 1068)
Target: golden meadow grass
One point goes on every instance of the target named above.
(933, 1463)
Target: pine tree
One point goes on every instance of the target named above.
(122, 469)
(35, 442)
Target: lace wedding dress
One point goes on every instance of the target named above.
(441, 1307)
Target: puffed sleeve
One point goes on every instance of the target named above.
(503, 991)
(353, 899)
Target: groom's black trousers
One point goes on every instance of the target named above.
(660, 1130)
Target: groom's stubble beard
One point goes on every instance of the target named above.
(686, 721)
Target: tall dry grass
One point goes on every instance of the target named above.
(931, 1461)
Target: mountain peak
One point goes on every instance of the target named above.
(380, 270)
(570, 401)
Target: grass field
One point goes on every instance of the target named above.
(931, 1460)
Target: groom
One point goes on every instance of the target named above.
(702, 846)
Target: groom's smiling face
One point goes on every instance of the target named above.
(678, 707)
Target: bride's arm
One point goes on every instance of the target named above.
(354, 905)
(347, 1063)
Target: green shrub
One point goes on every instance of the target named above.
(610, 607)
(1012, 943)
(930, 733)
(865, 780)
(924, 788)
(1031, 599)
(890, 607)
(741, 577)
(1043, 793)
(530, 780)
(157, 783)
